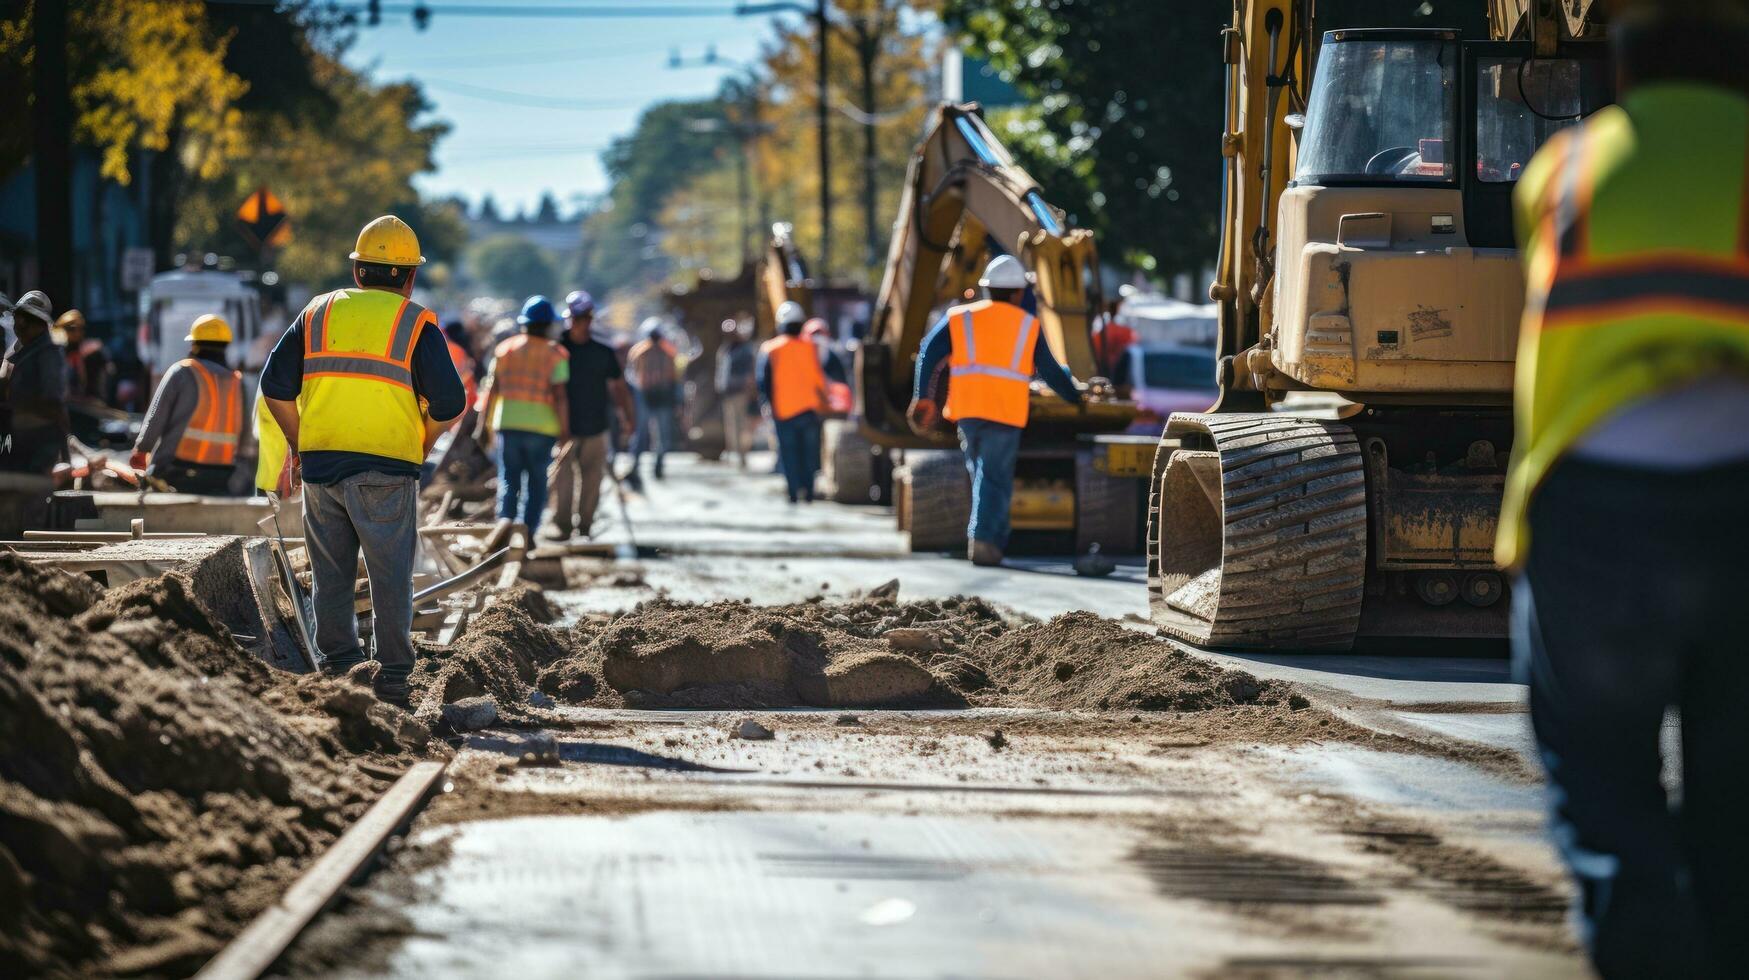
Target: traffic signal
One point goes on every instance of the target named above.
(373, 13)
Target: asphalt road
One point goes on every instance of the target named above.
(908, 844)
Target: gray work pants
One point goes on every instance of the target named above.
(739, 420)
(576, 483)
(376, 513)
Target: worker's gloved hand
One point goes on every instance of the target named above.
(923, 414)
(139, 460)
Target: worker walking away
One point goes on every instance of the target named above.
(33, 387)
(362, 385)
(192, 428)
(88, 366)
(816, 332)
(737, 387)
(596, 382)
(1624, 504)
(455, 334)
(528, 408)
(992, 349)
(655, 379)
(793, 387)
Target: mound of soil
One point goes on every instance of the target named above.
(159, 785)
(869, 653)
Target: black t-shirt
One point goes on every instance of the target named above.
(593, 365)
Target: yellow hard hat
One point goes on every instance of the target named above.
(210, 329)
(388, 241)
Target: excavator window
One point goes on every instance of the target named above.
(1382, 110)
(1521, 102)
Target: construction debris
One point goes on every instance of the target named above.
(753, 731)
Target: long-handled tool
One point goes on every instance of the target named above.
(629, 548)
(303, 605)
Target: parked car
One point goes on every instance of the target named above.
(1167, 378)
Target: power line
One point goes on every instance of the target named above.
(529, 100)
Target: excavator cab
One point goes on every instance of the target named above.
(1396, 276)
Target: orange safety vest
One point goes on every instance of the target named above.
(211, 436)
(990, 369)
(797, 383)
(464, 368)
(524, 370)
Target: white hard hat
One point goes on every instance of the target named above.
(790, 312)
(652, 326)
(1005, 272)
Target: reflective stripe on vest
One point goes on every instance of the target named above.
(523, 368)
(991, 369)
(211, 436)
(358, 375)
(1606, 323)
(798, 384)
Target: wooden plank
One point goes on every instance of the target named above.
(101, 536)
(452, 627)
(258, 946)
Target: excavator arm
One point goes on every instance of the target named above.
(780, 275)
(965, 200)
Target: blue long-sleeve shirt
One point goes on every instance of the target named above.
(938, 345)
(434, 379)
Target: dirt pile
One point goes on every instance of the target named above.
(870, 653)
(159, 785)
(499, 655)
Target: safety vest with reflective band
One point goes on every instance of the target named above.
(211, 436)
(1636, 227)
(798, 384)
(990, 369)
(270, 447)
(358, 375)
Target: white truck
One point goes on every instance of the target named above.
(170, 304)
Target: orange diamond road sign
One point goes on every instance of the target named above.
(262, 219)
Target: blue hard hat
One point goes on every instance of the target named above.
(580, 303)
(537, 311)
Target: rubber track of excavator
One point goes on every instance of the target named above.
(1293, 526)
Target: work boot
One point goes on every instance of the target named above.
(391, 687)
(984, 553)
(556, 532)
(337, 664)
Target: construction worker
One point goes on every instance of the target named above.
(272, 454)
(192, 428)
(33, 386)
(455, 335)
(817, 332)
(793, 387)
(362, 385)
(992, 349)
(528, 407)
(596, 383)
(737, 387)
(654, 372)
(87, 363)
(1623, 514)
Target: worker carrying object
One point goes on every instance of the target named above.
(195, 422)
(793, 387)
(527, 406)
(1624, 505)
(992, 349)
(362, 384)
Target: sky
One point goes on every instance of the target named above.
(532, 101)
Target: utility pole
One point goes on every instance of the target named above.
(819, 14)
(52, 131)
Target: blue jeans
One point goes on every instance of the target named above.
(522, 475)
(656, 410)
(1631, 602)
(378, 514)
(798, 448)
(991, 449)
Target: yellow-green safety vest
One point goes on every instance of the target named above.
(1636, 237)
(358, 375)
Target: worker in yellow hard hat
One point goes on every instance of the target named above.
(1623, 507)
(361, 385)
(190, 436)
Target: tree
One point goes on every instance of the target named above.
(489, 209)
(332, 177)
(1133, 156)
(513, 266)
(547, 212)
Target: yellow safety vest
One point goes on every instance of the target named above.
(358, 375)
(270, 447)
(990, 369)
(1636, 232)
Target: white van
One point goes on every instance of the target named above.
(170, 305)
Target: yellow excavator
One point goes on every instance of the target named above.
(965, 200)
(1347, 483)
